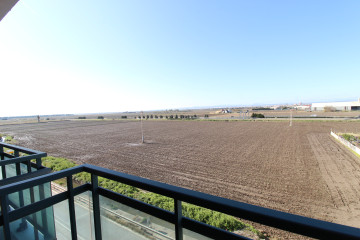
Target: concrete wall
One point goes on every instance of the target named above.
(346, 143)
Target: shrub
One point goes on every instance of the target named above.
(257, 115)
(206, 116)
(81, 117)
(123, 117)
(197, 213)
(349, 137)
(100, 117)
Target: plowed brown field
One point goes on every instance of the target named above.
(299, 169)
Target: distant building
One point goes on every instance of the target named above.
(303, 107)
(226, 111)
(336, 106)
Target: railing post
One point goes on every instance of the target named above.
(32, 199)
(2, 152)
(43, 212)
(96, 206)
(18, 170)
(3, 169)
(5, 216)
(38, 163)
(71, 207)
(178, 220)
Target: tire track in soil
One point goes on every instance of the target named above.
(340, 170)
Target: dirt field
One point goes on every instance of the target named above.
(299, 169)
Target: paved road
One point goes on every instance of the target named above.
(84, 222)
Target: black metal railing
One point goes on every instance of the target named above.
(281, 220)
(19, 161)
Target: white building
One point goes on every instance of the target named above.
(338, 106)
(303, 107)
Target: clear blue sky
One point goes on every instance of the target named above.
(109, 56)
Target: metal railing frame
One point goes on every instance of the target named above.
(17, 160)
(273, 218)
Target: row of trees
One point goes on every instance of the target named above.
(167, 117)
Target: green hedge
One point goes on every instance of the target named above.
(201, 214)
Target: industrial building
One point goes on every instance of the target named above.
(336, 106)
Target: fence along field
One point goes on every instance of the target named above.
(299, 169)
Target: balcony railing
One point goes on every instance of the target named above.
(177, 223)
(16, 163)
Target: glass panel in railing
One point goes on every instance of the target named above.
(39, 225)
(121, 220)
(190, 235)
(29, 195)
(62, 220)
(1, 233)
(84, 216)
(23, 168)
(10, 170)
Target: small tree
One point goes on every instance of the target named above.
(257, 115)
(100, 117)
(206, 115)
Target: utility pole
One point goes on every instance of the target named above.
(142, 131)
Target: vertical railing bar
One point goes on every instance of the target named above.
(32, 200)
(178, 220)
(18, 170)
(71, 207)
(28, 164)
(5, 216)
(21, 193)
(2, 152)
(96, 206)
(38, 163)
(3, 169)
(44, 216)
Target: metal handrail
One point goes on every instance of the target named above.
(285, 221)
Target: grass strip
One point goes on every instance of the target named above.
(197, 213)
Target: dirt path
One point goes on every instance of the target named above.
(340, 170)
